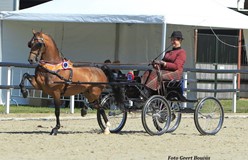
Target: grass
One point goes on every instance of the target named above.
(242, 107)
(35, 109)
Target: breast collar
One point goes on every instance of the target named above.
(65, 64)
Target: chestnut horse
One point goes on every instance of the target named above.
(54, 68)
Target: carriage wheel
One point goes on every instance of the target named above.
(115, 115)
(156, 115)
(209, 116)
(176, 116)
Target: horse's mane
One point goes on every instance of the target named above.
(60, 54)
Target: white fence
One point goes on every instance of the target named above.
(14, 72)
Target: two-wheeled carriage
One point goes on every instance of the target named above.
(161, 113)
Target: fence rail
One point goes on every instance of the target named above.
(142, 67)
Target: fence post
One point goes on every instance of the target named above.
(72, 103)
(234, 104)
(8, 91)
(185, 83)
(215, 79)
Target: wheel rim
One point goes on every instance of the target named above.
(156, 116)
(209, 116)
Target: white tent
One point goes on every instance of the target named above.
(58, 17)
(63, 16)
(190, 12)
(132, 31)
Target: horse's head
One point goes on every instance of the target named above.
(37, 46)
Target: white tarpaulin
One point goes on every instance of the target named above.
(183, 12)
(89, 27)
(132, 31)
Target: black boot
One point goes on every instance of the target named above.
(23, 91)
(83, 111)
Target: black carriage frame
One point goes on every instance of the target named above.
(161, 113)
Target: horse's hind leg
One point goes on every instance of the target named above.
(102, 112)
(22, 86)
(84, 110)
(93, 98)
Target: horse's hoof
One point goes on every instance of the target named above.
(24, 91)
(25, 94)
(54, 132)
(106, 132)
(83, 112)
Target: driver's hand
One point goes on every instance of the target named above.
(156, 64)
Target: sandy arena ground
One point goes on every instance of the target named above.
(26, 137)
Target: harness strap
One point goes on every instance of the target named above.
(67, 81)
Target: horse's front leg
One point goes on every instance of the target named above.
(57, 103)
(22, 86)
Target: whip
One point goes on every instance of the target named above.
(160, 54)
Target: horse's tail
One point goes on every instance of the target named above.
(117, 89)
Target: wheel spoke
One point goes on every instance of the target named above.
(209, 116)
(156, 115)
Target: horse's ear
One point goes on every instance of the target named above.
(33, 31)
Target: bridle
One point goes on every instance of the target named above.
(39, 44)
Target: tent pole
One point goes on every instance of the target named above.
(239, 55)
(1, 55)
(17, 5)
(117, 35)
(1, 35)
(163, 45)
(195, 43)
